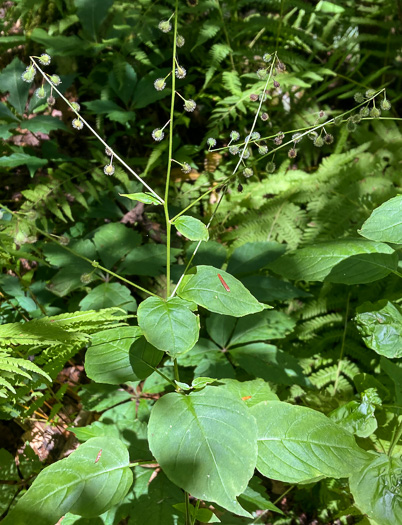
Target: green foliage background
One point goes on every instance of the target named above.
(332, 341)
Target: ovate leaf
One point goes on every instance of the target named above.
(168, 325)
(43, 124)
(385, 223)
(203, 286)
(146, 198)
(380, 325)
(377, 489)
(296, 444)
(214, 440)
(91, 14)
(90, 481)
(254, 255)
(349, 261)
(107, 295)
(192, 228)
(11, 82)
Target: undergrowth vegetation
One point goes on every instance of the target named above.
(200, 241)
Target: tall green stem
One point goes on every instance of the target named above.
(169, 167)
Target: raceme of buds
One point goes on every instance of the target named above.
(234, 150)
(370, 93)
(267, 57)
(211, 142)
(364, 112)
(318, 142)
(165, 26)
(263, 149)
(159, 84)
(248, 172)
(255, 135)
(234, 135)
(180, 72)
(246, 154)
(108, 169)
(157, 134)
(45, 59)
(189, 105)
(359, 98)
(261, 73)
(77, 123)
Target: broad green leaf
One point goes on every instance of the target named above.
(8, 472)
(203, 286)
(266, 288)
(43, 124)
(220, 328)
(112, 354)
(91, 14)
(380, 325)
(59, 45)
(202, 515)
(250, 392)
(11, 82)
(5, 132)
(20, 159)
(168, 325)
(123, 81)
(107, 295)
(214, 439)
(149, 259)
(192, 228)
(394, 371)
(113, 241)
(269, 363)
(6, 114)
(253, 256)
(255, 497)
(296, 444)
(146, 198)
(262, 327)
(97, 398)
(377, 489)
(156, 505)
(385, 223)
(349, 261)
(78, 484)
(210, 252)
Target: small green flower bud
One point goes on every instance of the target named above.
(338, 121)
(375, 113)
(318, 142)
(157, 134)
(292, 153)
(86, 278)
(248, 172)
(253, 97)
(262, 96)
(328, 138)
(370, 93)
(267, 57)
(159, 84)
(180, 72)
(255, 135)
(211, 142)
(45, 59)
(356, 118)
(262, 150)
(234, 135)
(77, 123)
(296, 137)
(180, 41)
(64, 241)
(270, 167)
(189, 105)
(234, 150)
(359, 98)
(108, 169)
(29, 74)
(351, 125)
(186, 168)
(108, 152)
(75, 106)
(165, 26)
(312, 135)
(364, 112)
(264, 116)
(40, 92)
(261, 73)
(55, 80)
(385, 105)
(246, 154)
(51, 100)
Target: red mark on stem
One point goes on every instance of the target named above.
(223, 282)
(98, 456)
